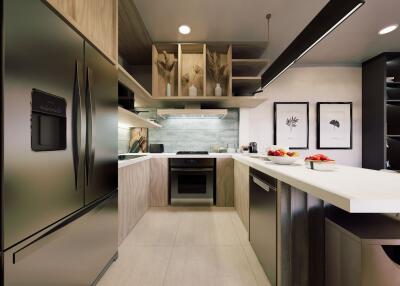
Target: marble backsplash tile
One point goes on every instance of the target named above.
(197, 134)
(123, 139)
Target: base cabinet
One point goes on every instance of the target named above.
(159, 182)
(224, 180)
(241, 192)
(134, 196)
(362, 251)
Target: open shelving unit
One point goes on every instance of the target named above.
(142, 96)
(248, 65)
(243, 78)
(130, 119)
(381, 112)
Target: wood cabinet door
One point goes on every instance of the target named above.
(159, 182)
(242, 192)
(224, 180)
(95, 19)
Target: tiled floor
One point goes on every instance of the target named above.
(188, 247)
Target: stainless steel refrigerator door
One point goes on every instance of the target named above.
(101, 97)
(71, 254)
(41, 52)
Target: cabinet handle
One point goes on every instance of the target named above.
(261, 184)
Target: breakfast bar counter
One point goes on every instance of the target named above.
(355, 190)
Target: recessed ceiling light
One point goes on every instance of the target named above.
(184, 29)
(388, 29)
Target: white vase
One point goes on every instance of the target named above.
(192, 90)
(218, 90)
(168, 91)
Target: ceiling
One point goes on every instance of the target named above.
(357, 39)
(228, 20)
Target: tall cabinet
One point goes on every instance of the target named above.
(381, 112)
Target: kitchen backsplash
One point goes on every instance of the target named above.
(123, 139)
(197, 134)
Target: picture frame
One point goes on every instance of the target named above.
(335, 125)
(291, 124)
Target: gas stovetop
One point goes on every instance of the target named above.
(192, 153)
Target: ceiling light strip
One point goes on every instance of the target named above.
(321, 23)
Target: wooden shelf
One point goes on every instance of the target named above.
(393, 136)
(142, 96)
(248, 51)
(245, 85)
(131, 119)
(221, 102)
(248, 67)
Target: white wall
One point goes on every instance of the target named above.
(312, 84)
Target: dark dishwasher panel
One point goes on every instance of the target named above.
(263, 225)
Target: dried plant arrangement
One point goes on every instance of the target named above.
(217, 70)
(165, 66)
(192, 78)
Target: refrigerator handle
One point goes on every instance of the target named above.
(90, 113)
(76, 123)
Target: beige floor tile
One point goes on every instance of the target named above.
(187, 246)
(241, 231)
(261, 278)
(258, 271)
(209, 266)
(138, 266)
(157, 227)
(206, 227)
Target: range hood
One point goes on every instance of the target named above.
(192, 113)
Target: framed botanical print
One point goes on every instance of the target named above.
(334, 125)
(291, 124)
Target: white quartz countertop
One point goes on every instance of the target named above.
(355, 190)
(146, 156)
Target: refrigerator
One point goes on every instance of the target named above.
(59, 150)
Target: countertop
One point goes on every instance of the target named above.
(352, 189)
(147, 156)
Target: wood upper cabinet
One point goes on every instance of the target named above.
(242, 192)
(95, 19)
(224, 180)
(159, 182)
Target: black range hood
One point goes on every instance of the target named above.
(331, 16)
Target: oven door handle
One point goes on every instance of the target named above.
(192, 169)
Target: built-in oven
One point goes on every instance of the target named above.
(192, 181)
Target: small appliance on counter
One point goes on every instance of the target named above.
(156, 148)
(253, 147)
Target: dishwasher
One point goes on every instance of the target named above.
(263, 221)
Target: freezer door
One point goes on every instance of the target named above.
(72, 253)
(43, 177)
(101, 99)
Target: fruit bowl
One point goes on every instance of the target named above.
(320, 162)
(321, 165)
(282, 157)
(283, 160)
